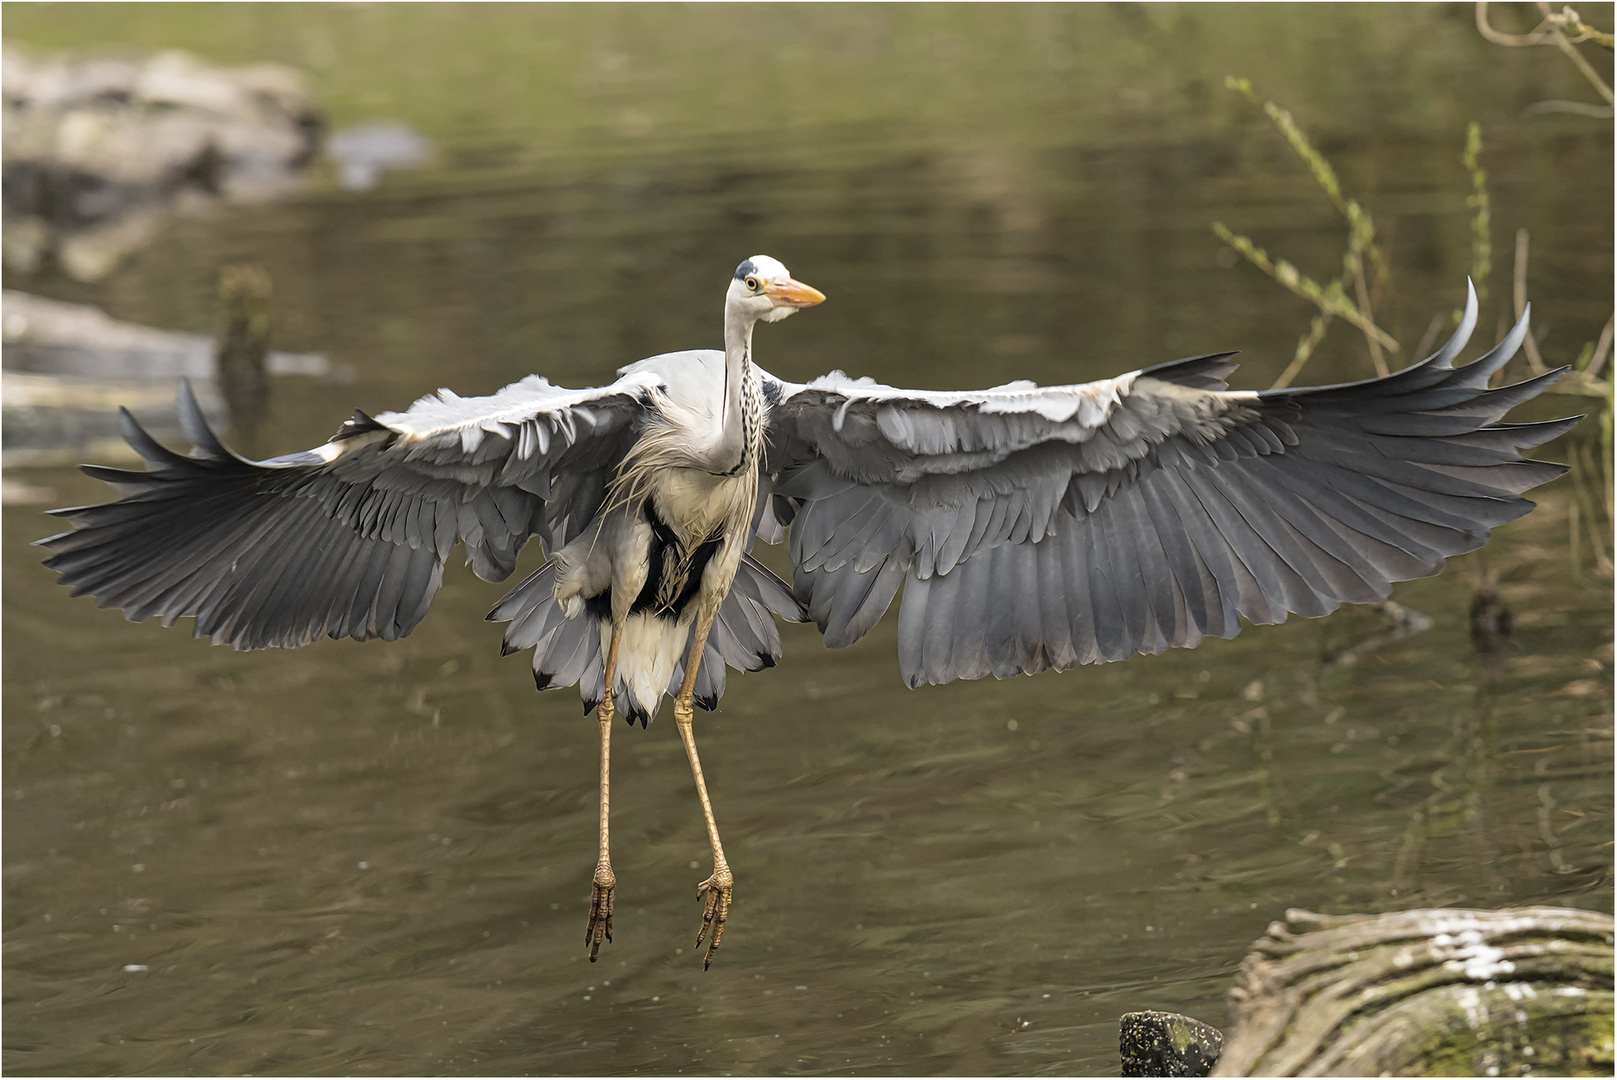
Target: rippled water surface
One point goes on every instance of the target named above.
(375, 858)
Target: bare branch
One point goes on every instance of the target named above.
(1534, 360)
(1515, 41)
(1570, 23)
(1328, 298)
(1602, 349)
(1559, 40)
(1363, 293)
(1577, 108)
(1482, 219)
(1430, 337)
(1550, 32)
(1305, 348)
(1577, 31)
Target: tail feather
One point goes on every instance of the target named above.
(570, 651)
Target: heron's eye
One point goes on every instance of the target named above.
(752, 284)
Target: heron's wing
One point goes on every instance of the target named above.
(348, 539)
(1047, 527)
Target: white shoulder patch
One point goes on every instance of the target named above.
(446, 411)
(1088, 403)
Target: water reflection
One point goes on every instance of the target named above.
(375, 858)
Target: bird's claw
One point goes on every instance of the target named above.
(600, 925)
(715, 894)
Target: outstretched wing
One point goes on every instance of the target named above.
(348, 539)
(1047, 527)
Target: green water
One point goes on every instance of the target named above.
(375, 858)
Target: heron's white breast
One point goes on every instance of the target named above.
(697, 503)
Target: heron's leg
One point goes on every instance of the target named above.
(604, 883)
(716, 891)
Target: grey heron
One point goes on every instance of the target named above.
(1030, 527)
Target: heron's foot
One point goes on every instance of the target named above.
(715, 894)
(601, 891)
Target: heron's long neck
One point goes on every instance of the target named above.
(739, 418)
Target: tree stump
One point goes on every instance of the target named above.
(1430, 993)
(243, 347)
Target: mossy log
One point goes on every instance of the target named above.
(1425, 993)
(68, 367)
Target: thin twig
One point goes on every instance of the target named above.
(1481, 244)
(1325, 298)
(1426, 339)
(1331, 300)
(1574, 530)
(1571, 22)
(1550, 32)
(1534, 360)
(1305, 348)
(1591, 516)
(1383, 277)
(1376, 358)
(1515, 41)
(1559, 40)
(1358, 219)
(1598, 360)
(1577, 108)
(1604, 461)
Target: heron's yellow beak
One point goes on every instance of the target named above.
(794, 294)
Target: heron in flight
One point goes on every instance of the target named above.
(1030, 527)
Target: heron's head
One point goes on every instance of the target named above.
(764, 289)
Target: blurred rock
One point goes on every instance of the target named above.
(99, 150)
(365, 151)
